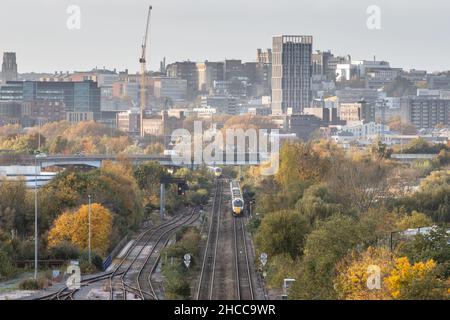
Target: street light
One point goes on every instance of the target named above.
(89, 245)
(36, 242)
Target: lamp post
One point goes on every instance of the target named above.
(36, 242)
(89, 244)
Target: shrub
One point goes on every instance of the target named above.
(32, 284)
(65, 251)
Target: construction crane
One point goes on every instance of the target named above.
(143, 62)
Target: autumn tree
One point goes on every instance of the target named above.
(397, 124)
(361, 184)
(74, 227)
(418, 281)
(301, 162)
(375, 274)
(357, 272)
(433, 245)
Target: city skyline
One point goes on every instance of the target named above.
(217, 31)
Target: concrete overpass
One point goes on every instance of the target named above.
(238, 159)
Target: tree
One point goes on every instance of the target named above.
(356, 270)
(300, 161)
(414, 220)
(398, 278)
(318, 203)
(432, 198)
(361, 184)
(434, 245)
(59, 145)
(74, 227)
(15, 207)
(325, 246)
(397, 124)
(148, 176)
(415, 282)
(282, 232)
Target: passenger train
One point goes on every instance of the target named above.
(237, 201)
(216, 171)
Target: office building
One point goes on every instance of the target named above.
(186, 70)
(208, 72)
(234, 69)
(81, 100)
(175, 89)
(223, 104)
(264, 56)
(425, 113)
(358, 111)
(291, 73)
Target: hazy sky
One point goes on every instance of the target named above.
(413, 34)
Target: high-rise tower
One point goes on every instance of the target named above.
(291, 73)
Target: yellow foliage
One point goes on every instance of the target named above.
(398, 278)
(404, 274)
(74, 227)
(353, 273)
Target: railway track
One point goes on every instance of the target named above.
(226, 272)
(144, 277)
(127, 278)
(132, 279)
(206, 281)
(244, 284)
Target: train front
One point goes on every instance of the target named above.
(238, 207)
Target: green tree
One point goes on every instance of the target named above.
(325, 246)
(282, 232)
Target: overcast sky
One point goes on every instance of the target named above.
(413, 34)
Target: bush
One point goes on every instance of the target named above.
(65, 251)
(32, 284)
(97, 262)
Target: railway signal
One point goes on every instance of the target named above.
(182, 187)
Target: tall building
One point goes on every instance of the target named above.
(208, 72)
(233, 69)
(264, 56)
(320, 68)
(9, 67)
(186, 70)
(291, 73)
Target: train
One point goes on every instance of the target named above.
(216, 171)
(237, 201)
